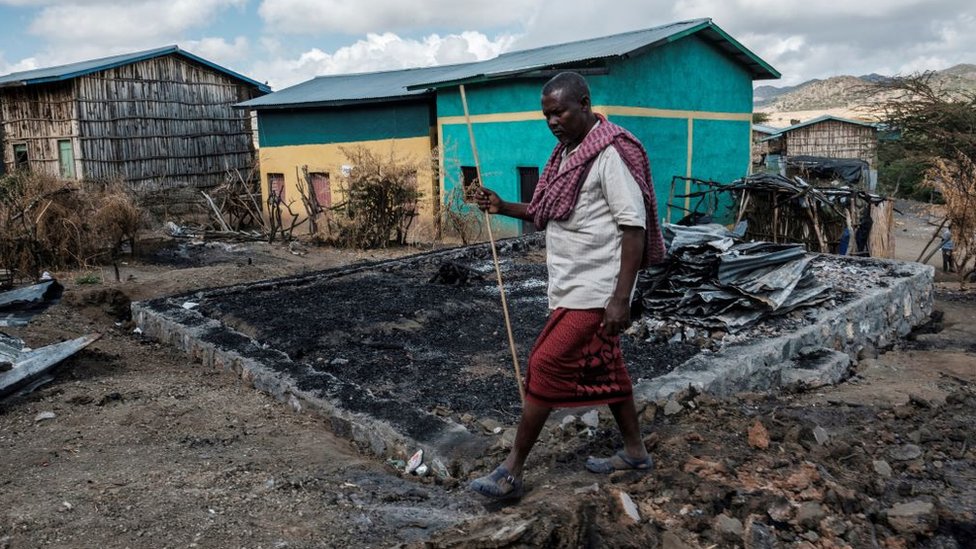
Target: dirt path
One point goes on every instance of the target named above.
(149, 450)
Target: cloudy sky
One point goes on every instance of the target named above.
(285, 42)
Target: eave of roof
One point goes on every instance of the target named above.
(825, 118)
(74, 70)
(350, 89)
(623, 45)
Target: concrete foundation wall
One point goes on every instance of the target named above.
(817, 354)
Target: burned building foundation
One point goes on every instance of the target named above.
(412, 353)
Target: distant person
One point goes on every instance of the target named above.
(948, 260)
(596, 203)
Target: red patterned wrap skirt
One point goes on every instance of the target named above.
(574, 363)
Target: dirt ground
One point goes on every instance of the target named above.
(147, 449)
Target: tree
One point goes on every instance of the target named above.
(760, 117)
(937, 131)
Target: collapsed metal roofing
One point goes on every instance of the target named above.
(404, 84)
(710, 281)
(74, 70)
(19, 305)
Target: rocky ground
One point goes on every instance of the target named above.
(146, 449)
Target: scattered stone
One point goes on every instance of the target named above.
(628, 508)
(45, 415)
(833, 526)
(489, 425)
(905, 452)
(919, 401)
(508, 437)
(704, 468)
(729, 528)
(567, 422)
(442, 411)
(339, 361)
(781, 511)
(758, 436)
(914, 517)
(803, 478)
(810, 536)
(649, 413)
(439, 469)
(882, 468)
(591, 419)
(422, 470)
(903, 412)
(810, 514)
(672, 407)
(820, 435)
(670, 540)
(759, 536)
(467, 418)
(591, 489)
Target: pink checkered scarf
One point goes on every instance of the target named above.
(558, 191)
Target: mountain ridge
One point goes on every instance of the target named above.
(846, 91)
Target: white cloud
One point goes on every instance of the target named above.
(363, 16)
(219, 50)
(74, 30)
(27, 64)
(807, 40)
(382, 52)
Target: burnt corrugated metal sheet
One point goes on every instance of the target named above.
(19, 305)
(82, 68)
(711, 282)
(391, 85)
(27, 365)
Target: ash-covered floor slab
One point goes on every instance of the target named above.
(413, 352)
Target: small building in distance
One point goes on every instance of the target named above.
(831, 137)
(762, 146)
(152, 119)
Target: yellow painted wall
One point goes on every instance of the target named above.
(330, 159)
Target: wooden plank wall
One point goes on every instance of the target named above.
(38, 116)
(835, 139)
(161, 123)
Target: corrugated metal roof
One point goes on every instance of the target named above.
(82, 68)
(824, 118)
(617, 45)
(390, 85)
(762, 128)
(351, 88)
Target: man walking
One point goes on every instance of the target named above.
(596, 202)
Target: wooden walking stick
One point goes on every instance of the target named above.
(494, 252)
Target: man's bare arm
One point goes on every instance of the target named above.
(617, 316)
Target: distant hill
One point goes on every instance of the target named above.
(845, 92)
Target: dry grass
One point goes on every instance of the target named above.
(380, 201)
(956, 180)
(51, 224)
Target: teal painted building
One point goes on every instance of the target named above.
(684, 89)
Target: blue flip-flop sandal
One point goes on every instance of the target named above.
(499, 485)
(605, 466)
